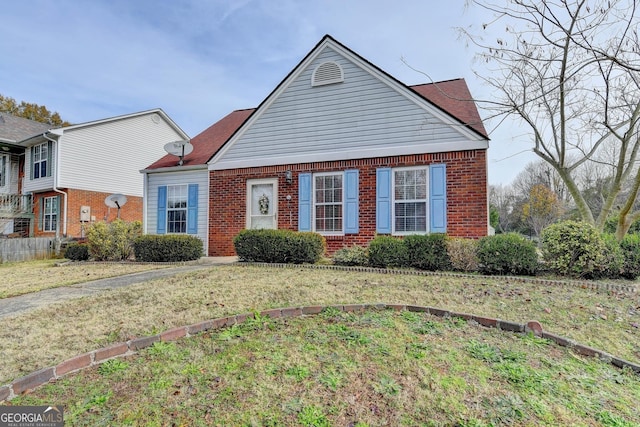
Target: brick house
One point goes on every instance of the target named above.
(340, 148)
(68, 172)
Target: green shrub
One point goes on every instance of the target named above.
(462, 253)
(167, 248)
(630, 247)
(77, 252)
(112, 241)
(613, 263)
(279, 246)
(508, 253)
(427, 252)
(354, 255)
(574, 248)
(387, 251)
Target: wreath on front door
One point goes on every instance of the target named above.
(263, 204)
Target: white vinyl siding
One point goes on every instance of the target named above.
(362, 115)
(108, 157)
(155, 180)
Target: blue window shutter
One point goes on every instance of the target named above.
(192, 209)
(383, 201)
(304, 202)
(161, 227)
(438, 198)
(351, 201)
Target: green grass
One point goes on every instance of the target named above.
(379, 367)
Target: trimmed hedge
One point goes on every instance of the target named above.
(508, 253)
(574, 248)
(427, 252)
(77, 252)
(167, 248)
(279, 246)
(387, 252)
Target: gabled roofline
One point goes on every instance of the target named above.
(60, 131)
(382, 75)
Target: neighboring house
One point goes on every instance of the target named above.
(16, 208)
(70, 171)
(340, 148)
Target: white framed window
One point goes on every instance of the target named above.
(50, 214)
(410, 200)
(177, 196)
(40, 159)
(328, 203)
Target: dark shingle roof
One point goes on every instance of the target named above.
(15, 129)
(208, 142)
(453, 97)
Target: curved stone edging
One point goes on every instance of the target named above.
(95, 357)
(616, 287)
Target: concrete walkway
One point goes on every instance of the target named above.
(22, 304)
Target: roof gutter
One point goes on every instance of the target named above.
(55, 183)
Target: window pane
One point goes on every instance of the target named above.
(411, 217)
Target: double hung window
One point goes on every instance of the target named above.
(40, 160)
(177, 208)
(410, 200)
(328, 203)
(50, 214)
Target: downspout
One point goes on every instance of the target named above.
(55, 185)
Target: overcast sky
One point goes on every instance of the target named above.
(198, 60)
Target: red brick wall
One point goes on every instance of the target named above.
(466, 196)
(131, 211)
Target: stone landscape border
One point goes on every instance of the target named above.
(584, 284)
(43, 376)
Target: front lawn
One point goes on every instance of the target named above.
(374, 368)
(19, 278)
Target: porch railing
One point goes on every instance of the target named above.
(15, 204)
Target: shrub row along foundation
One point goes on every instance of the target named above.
(46, 375)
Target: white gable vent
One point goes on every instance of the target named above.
(327, 73)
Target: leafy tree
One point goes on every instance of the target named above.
(35, 112)
(569, 71)
(542, 209)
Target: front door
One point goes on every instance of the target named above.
(262, 203)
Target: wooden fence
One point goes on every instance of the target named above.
(28, 248)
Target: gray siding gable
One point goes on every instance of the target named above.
(367, 115)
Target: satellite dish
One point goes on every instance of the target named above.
(116, 201)
(179, 148)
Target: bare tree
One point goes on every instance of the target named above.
(503, 199)
(570, 70)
